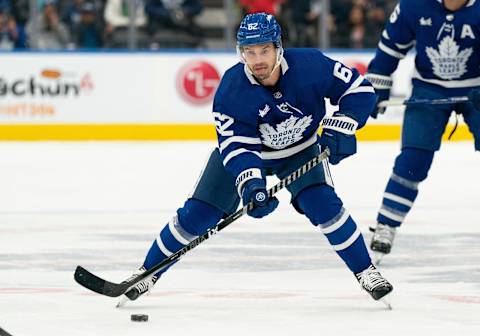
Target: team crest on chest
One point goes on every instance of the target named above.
(286, 133)
(449, 62)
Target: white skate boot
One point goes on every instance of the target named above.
(382, 241)
(375, 284)
(144, 286)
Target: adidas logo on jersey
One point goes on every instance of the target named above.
(425, 22)
(263, 112)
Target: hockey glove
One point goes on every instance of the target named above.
(255, 191)
(339, 136)
(382, 85)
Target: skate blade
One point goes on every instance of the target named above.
(386, 302)
(377, 257)
(123, 300)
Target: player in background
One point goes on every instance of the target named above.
(446, 36)
(267, 110)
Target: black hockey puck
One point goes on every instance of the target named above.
(139, 317)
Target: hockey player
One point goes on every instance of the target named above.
(446, 36)
(267, 111)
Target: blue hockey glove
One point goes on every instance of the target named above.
(474, 97)
(382, 85)
(339, 136)
(255, 191)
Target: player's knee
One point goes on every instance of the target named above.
(196, 217)
(319, 203)
(413, 164)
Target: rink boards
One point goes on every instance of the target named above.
(140, 96)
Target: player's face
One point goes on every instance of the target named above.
(260, 59)
(454, 5)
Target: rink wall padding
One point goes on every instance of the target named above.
(173, 132)
(140, 95)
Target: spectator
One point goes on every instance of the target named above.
(340, 27)
(357, 22)
(366, 20)
(8, 29)
(46, 31)
(258, 6)
(172, 22)
(87, 33)
(305, 15)
(70, 11)
(117, 19)
(20, 10)
(376, 16)
(5, 6)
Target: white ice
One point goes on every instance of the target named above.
(100, 204)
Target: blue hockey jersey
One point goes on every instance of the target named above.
(447, 44)
(258, 125)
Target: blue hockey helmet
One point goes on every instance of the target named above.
(259, 28)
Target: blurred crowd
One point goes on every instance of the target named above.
(71, 24)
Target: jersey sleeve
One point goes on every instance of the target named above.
(239, 146)
(348, 89)
(396, 40)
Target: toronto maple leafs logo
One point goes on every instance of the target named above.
(448, 62)
(286, 133)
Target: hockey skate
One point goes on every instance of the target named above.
(144, 286)
(382, 241)
(375, 284)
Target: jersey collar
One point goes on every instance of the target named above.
(470, 3)
(253, 81)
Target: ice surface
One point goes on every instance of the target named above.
(99, 205)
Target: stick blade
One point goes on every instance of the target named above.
(98, 285)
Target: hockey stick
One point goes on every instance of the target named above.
(104, 287)
(473, 97)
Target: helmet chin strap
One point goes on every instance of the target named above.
(277, 63)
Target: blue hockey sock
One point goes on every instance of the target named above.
(325, 210)
(193, 219)
(411, 167)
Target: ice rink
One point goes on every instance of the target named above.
(100, 204)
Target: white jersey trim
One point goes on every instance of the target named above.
(406, 45)
(361, 89)
(352, 87)
(237, 152)
(450, 84)
(390, 51)
(239, 139)
(280, 154)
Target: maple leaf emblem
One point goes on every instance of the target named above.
(448, 62)
(286, 133)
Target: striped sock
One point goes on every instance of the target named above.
(347, 240)
(398, 199)
(171, 239)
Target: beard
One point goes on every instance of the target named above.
(262, 71)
